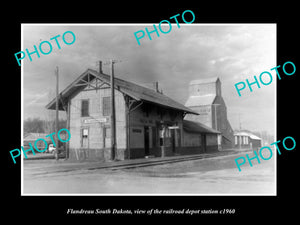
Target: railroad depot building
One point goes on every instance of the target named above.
(146, 120)
(205, 98)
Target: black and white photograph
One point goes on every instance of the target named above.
(149, 109)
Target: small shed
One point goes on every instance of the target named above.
(246, 140)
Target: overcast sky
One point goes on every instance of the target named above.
(232, 52)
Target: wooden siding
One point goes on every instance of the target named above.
(95, 128)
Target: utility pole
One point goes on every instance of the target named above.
(56, 116)
(112, 103)
(113, 112)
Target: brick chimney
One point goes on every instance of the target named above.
(156, 86)
(100, 67)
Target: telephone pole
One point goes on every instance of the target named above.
(113, 112)
(56, 116)
(112, 103)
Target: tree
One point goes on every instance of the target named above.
(37, 125)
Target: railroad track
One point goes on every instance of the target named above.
(136, 164)
(170, 160)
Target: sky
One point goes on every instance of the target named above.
(233, 52)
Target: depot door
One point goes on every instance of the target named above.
(146, 140)
(173, 132)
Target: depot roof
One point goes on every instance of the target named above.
(133, 90)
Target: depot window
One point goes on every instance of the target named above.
(84, 108)
(106, 106)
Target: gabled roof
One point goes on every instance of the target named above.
(196, 127)
(133, 90)
(200, 100)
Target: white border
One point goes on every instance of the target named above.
(22, 114)
(142, 24)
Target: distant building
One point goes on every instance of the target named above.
(146, 120)
(205, 98)
(245, 140)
